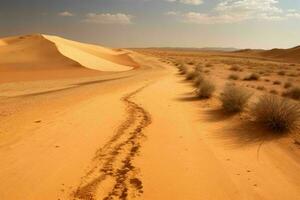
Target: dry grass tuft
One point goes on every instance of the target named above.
(182, 69)
(276, 82)
(205, 89)
(199, 67)
(234, 99)
(293, 93)
(209, 65)
(233, 77)
(234, 68)
(260, 87)
(252, 77)
(198, 80)
(277, 114)
(281, 73)
(190, 75)
(273, 91)
(287, 85)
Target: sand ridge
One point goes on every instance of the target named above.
(91, 56)
(41, 57)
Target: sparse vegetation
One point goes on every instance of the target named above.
(190, 62)
(281, 73)
(273, 91)
(293, 93)
(234, 99)
(276, 82)
(205, 89)
(260, 88)
(182, 69)
(190, 75)
(198, 80)
(233, 77)
(208, 65)
(293, 74)
(277, 114)
(199, 67)
(234, 68)
(252, 77)
(287, 85)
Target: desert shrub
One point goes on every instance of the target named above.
(293, 93)
(252, 77)
(277, 82)
(198, 80)
(277, 114)
(267, 80)
(233, 77)
(234, 68)
(190, 75)
(287, 85)
(208, 65)
(293, 74)
(234, 99)
(205, 89)
(199, 67)
(260, 88)
(206, 71)
(182, 69)
(281, 73)
(273, 91)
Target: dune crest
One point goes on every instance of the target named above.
(92, 56)
(43, 57)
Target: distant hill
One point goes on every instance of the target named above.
(224, 49)
(291, 55)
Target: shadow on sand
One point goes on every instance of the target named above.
(217, 115)
(239, 134)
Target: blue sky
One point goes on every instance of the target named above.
(161, 23)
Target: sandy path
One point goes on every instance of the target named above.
(95, 140)
(113, 162)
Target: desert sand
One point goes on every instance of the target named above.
(85, 122)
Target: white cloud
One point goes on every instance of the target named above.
(66, 14)
(189, 2)
(171, 13)
(291, 10)
(248, 6)
(293, 15)
(108, 18)
(199, 18)
(234, 11)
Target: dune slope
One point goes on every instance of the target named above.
(92, 56)
(39, 57)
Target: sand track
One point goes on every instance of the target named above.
(113, 174)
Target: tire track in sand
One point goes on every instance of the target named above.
(113, 174)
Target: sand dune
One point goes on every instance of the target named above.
(92, 56)
(40, 57)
